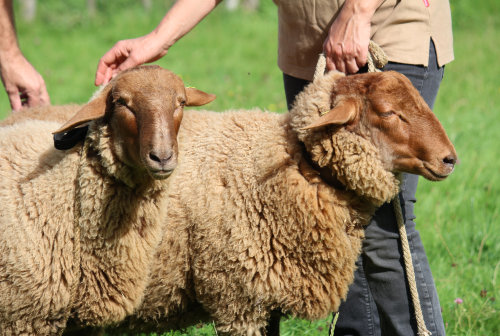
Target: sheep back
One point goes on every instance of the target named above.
(58, 113)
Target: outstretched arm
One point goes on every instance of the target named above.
(346, 47)
(23, 84)
(179, 20)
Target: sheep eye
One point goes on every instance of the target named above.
(121, 101)
(387, 114)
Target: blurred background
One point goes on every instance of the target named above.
(233, 53)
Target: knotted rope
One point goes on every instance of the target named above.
(377, 59)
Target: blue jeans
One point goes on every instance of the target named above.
(378, 301)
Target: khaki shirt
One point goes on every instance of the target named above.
(402, 28)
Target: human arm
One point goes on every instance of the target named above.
(23, 84)
(346, 46)
(179, 20)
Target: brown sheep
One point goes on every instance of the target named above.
(79, 228)
(265, 211)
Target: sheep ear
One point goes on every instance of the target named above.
(94, 109)
(344, 112)
(195, 97)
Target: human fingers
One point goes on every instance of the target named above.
(110, 61)
(23, 84)
(103, 74)
(362, 57)
(145, 49)
(351, 66)
(44, 95)
(346, 57)
(128, 54)
(124, 55)
(333, 55)
(131, 61)
(36, 95)
(31, 99)
(337, 56)
(15, 101)
(330, 65)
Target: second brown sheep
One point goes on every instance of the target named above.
(266, 211)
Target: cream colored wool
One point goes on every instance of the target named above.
(251, 225)
(41, 191)
(59, 113)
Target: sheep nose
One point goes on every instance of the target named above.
(450, 160)
(162, 158)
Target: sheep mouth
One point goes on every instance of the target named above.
(433, 175)
(160, 174)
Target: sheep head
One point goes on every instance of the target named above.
(355, 123)
(143, 109)
(386, 108)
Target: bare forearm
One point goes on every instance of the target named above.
(8, 39)
(181, 18)
(364, 8)
(23, 84)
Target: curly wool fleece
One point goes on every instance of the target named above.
(253, 227)
(42, 190)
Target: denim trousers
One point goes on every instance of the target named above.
(378, 302)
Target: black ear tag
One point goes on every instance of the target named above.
(69, 139)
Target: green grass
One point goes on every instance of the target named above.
(234, 56)
(459, 218)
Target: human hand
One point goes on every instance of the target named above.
(126, 54)
(346, 47)
(179, 20)
(23, 84)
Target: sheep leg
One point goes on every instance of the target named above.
(273, 324)
(73, 330)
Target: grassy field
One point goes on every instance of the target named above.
(234, 56)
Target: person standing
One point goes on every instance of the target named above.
(416, 35)
(417, 38)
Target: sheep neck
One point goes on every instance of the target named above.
(355, 162)
(120, 226)
(323, 172)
